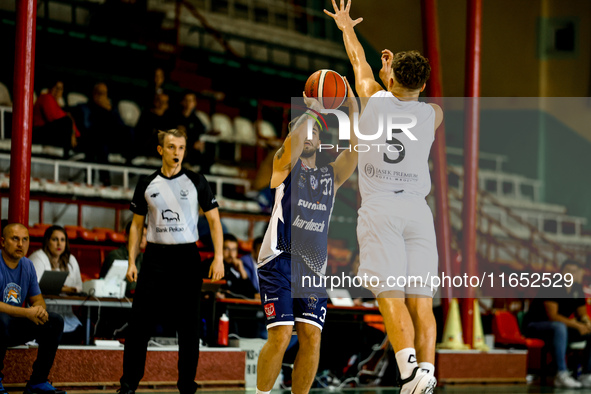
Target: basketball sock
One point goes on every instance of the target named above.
(427, 367)
(407, 361)
(263, 392)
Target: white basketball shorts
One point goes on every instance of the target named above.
(398, 245)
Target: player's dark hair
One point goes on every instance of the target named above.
(174, 132)
(64, 259)
(230, 237)
(411, 69)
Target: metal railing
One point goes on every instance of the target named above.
(519, 242)
(61, 166)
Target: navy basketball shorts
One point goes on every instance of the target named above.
(291, 292)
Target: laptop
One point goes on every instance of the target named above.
(117, 272)
(51, 282)
(340, 297)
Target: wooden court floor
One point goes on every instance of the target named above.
(449, 389)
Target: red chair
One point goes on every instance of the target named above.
(103, 230)
(507, 334)
(93, 236)
(42, 226)
(117, 237)
(36, 232)
(72, 231)
(245, 246)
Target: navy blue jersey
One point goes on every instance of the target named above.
(301, 215)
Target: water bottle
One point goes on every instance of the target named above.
(223, 329)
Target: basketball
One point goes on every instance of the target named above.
(328, 87)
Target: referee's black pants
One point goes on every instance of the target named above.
(168, 289)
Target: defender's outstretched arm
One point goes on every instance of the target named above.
(365, 83)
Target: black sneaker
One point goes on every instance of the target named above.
(42, 388)
(125, 389)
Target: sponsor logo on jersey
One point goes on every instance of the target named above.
(169, 215)
(313, 182)
(12, 294)
(310, 315)
(309, 225)
(391, 175)
(286, 314)
(213, 200)
(270, 310)
(370, 170)
(312, 301)
(313, 206)
(270, 299)
(184, 193)
(324, 169)
(170, 229)
(302, 181)
(154, 195)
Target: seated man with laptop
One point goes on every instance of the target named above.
(20, 322)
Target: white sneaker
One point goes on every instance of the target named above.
(420, 382)
(585, 380)
(563, 379)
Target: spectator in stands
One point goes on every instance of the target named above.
(55, 256)
(238, 283)
(205, 233)
(250, 265)
(187, 118)
(549, 318)
(123, 254)
(51, 124)
(18, 324)
(159, 78)
(102, 128)
(150, 122)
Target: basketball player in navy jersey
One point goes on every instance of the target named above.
(395, 228)
(295, 247)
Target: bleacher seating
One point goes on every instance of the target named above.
(244, 132)
(130, 112)
(4, 95)
(265, 129)
(204, 118)
(75, 98)
(222, 124)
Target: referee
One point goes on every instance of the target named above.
(169, 287)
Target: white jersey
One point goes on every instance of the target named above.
(398, 165)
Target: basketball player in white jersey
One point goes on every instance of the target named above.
(395, 228)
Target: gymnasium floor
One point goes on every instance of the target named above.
(450, 389)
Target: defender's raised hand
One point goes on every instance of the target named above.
(386, 70)
(341, 15)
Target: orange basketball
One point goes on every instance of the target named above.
(328, 87)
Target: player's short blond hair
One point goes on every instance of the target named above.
(174, 132)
